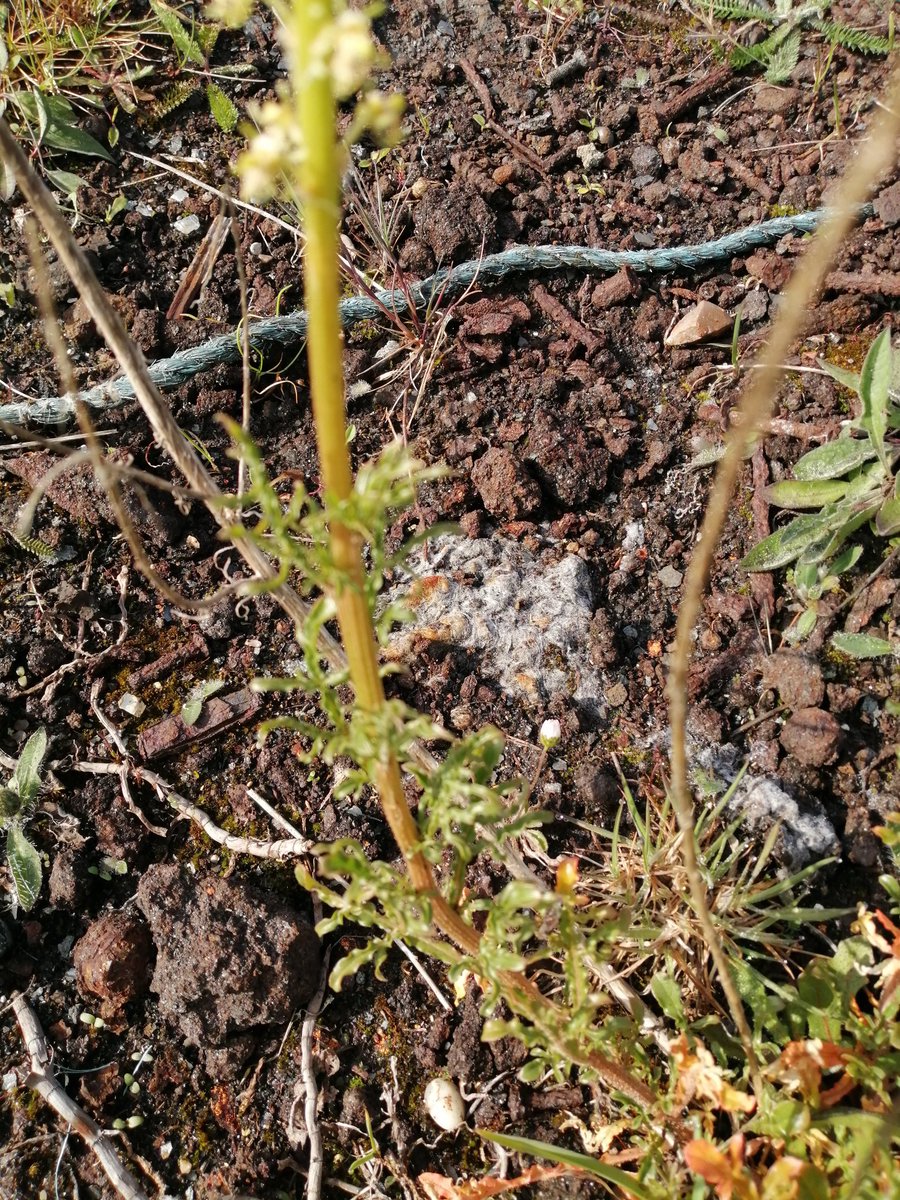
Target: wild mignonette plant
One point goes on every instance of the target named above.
(535, 948)
(16, 801)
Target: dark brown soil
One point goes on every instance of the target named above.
(568, 427)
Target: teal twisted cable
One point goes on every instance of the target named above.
(444, 284)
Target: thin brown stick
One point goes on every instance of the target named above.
(45, 1083)
(876, 155)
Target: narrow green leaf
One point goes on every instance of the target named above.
(172, 24)
(887, 519)
(834, 459)
(56, 122)
(804, 493)
(568, 1158)
(223, 110)
(24, 866)
(862, 645)
(667, 994)
(874, 383)
(26, 778)
(67, 183)
(784, 545)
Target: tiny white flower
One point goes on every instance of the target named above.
(353, 52)
(549, 734)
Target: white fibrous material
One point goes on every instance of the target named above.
(529, 622)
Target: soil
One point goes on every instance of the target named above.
(569, 427)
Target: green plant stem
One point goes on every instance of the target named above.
(319, 177)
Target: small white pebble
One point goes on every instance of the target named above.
(131, 704)
(444, 1104)
(187, 225)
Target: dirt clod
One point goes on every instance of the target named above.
(505, 487)
(796, 677)
(112, 961)
(812, 736)
(229, 961)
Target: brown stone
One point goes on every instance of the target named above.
(812, 736)
(112, 961)
(703, 321)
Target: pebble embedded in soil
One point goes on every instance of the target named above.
(704, 320)
(112, 961)
(229, 960)
(812, 736)
(444, 1104)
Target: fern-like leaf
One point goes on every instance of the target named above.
(784, 57)
(178, 32)
(742, 12)
(853, 39)
(173, 97)
(221, 107)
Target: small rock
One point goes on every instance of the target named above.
(589, 156)
(112, 961)
(771, 99)
(231, 961)
(704, 320)
(646, 160)
(670, 577)
(444, 1104)
(187, 225)
(755, 306)
(504, 485)
(812, 736)
(796, 677)
(617, 289)
(887, 204)
(616, 695)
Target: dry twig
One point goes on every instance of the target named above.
(45, 1083)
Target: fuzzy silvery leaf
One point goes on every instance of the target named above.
(874, 385)
(843, 522)
(783, 58)
(804, 493)
(834, 459)
(887, 519)
(862, 645)
(25, 867)
(785, 544)
(26, 778)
